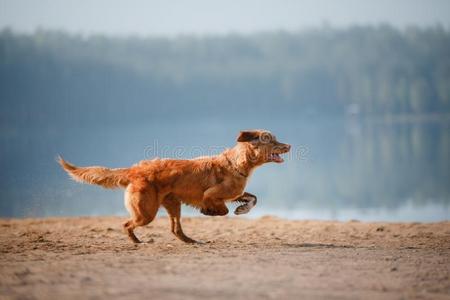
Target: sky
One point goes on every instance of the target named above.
(175, 17)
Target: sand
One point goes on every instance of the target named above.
(266, 258)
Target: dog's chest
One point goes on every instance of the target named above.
(236, 186)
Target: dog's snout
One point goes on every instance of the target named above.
(286, 147)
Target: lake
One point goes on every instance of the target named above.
(338, 169)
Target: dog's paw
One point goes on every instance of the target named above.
(250, 202)
(214, 211)
(241, 209)
(207, 212)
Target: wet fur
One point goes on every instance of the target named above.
(205, 183)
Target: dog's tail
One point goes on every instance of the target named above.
(108, 178)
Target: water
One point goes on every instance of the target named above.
(339, 169)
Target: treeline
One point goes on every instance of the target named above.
(57, 78)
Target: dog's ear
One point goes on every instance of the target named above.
(247, 136)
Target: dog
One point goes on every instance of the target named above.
(206, 183)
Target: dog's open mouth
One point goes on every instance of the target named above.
(275, 157)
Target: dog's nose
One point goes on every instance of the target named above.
(288, 147)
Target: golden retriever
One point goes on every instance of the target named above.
(206, 183)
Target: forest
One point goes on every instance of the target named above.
(53, 78)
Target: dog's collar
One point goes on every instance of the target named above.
(234, 168)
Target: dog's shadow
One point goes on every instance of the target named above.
(317, 246)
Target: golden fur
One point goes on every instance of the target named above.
(205, 183)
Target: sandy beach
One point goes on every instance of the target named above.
(265, 258)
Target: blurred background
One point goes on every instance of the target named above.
(361, 89)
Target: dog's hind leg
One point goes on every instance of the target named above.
(173, 207)
(142, 204)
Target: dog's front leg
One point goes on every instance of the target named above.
(213, 203)
(248, 200)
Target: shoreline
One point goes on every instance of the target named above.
(407, 213)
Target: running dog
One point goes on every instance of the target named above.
(205, 183)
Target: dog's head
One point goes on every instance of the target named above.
(263, 146)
